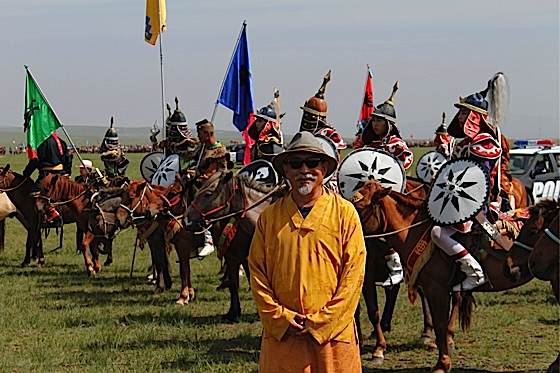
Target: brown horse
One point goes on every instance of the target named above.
(165, 207)
(95, 221)
(381, 207)
(232, 203)
(19, 188)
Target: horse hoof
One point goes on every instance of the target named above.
(108, 262)
(230, 318)
(182, 301)
(428, 343)
(377, 361)
(158, 291)
(40, 262)
(24, 264)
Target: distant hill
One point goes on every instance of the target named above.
(83, 135)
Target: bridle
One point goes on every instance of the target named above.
(130, 211)
(225, 206)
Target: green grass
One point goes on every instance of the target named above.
(56, 318)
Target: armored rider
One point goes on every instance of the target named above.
(442, 140)
(381, 132)
(479, 139)
(112, 155)
(266, 131)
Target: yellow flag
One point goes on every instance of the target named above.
(155, 20)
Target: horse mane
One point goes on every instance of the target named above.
(64, 188)
(544, 207)
(251, 183)
(404, 199)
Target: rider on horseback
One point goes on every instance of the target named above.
(51, 157)
(442, 141)
(266, 131)
(314, 118)
(112, 154)
(381, 132)
(481, 141)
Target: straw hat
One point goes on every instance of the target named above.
(304, 142)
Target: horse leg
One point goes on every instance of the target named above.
(451, 326)
(88, 238)
(94, 248)
(438, 300)
(2, 234)
(184, 268)
(232, 271)
(427, 332)
(370, 296)
(79, 239)
(37, 249)
(161, 261)
(391, 294)
(359, 326)
(109, 259)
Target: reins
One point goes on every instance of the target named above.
(13, 188)
(81, 194)
(552, 236)
(397, 231)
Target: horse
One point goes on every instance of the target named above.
(94, 220)
(544, 261)
(165, 208)
(7, 209)
(19, 188)
(379, 207)
(229, 205)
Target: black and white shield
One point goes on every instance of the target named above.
(165, 174)
(429, 164)
(149, 165)
(458, 193)
(366, 164)
(262, 171)
(330, 148)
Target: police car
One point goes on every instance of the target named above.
(537, 164)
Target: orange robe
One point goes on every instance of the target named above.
(313, 266)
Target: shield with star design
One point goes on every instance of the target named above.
(367, 164)
(165, 173)
(458, 193)
(149, 165)
(429, 164)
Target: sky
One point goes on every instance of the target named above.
(91, 61)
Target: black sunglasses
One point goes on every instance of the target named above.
(297, 163)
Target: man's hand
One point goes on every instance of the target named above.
(297, 324)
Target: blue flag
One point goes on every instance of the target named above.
(237, 93)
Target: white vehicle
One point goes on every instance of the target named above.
(537, 164)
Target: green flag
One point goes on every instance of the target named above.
(40, 119)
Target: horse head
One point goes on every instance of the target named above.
(6, 177)
(213, 198)
(544, 259)
(366, 201)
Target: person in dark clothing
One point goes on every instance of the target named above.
(51, 157)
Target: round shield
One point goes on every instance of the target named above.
(458, 193)
(165, 174)
(149, 165)
(429, 164)
(330, 148)
(369, 164)
(261, 171)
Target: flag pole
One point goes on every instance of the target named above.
(54, 112)
(361, 103)
(227, 69)
(162, 86)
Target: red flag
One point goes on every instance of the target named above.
(367, 103)
(249, 142)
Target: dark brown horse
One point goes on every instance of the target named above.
(164, 208)
(19, 188)
(544, 261)
(234, 203)
(380, 207)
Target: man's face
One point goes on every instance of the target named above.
(305, 172)
(462, 115)
(379, 126)
(206, 135)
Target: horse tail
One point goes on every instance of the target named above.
(468, 303)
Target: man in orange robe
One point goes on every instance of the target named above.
(307, 262)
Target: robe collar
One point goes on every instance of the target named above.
(315, 216)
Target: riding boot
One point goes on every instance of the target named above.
(51, 214)
(474, 272)
(208, 247)
(395, 270)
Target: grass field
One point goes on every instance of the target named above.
(56, 318)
